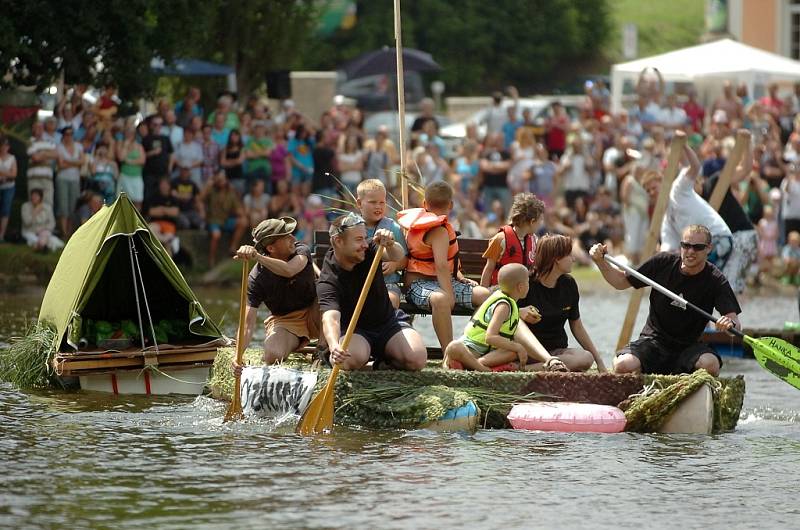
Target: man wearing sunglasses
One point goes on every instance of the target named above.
(382, 332)
(669, 342)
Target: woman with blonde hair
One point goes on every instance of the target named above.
(523, 151)
(553, 300)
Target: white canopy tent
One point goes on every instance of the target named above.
(722, 59)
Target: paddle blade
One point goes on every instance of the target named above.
(235, 408)
(318, 416)
(778, 357)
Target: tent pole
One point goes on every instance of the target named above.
(401, 103)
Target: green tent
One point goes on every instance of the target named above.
(112, 265)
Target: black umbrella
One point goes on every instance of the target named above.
(384, 61)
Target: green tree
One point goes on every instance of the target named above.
(256, 36)
(481, 45)
(92, 41)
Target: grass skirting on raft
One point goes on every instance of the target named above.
(492, 392)
(26, 362)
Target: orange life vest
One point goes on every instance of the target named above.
(418, 222)
(515, 252)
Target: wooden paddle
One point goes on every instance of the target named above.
(318, 416)
(235, 409)
(673, 165)
(734, 159)
(776, 356)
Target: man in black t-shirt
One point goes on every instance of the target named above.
(494, 165)
(381, 332)
(283, 280)
(668, 342)
(187, 198)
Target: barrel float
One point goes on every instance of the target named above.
(566, 417)
(460, 419)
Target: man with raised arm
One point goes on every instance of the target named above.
(283, 280)
(686, 208)
(669, 342)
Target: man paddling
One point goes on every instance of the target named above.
(283, 280)
(382, 333)
(669, 342)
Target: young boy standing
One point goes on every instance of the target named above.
(433, 277)
(490, 339)
(371, 201)
(514, 242)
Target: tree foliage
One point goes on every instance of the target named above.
(92, 41)
(257, 36)
(481, 45)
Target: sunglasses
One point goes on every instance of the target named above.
(697, 247)
(352, 219)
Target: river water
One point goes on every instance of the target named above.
(83, 460)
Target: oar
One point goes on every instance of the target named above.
(318, 416)
(775, 355)
(235, 409)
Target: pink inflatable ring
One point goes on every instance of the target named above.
(566, 417)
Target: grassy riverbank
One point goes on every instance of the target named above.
(21, 265)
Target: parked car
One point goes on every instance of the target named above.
(539, 106)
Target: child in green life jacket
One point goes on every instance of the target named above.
(493, 337)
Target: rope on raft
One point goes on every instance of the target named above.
(649, 409)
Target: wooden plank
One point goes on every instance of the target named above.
(673, 165)
(69, 366)
(84, 355)
(725, 177)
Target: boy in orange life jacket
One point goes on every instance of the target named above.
(514, 242)
(371, 200)
(433, 277)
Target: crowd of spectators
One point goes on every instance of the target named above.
(225, 169)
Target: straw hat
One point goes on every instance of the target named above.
(271, 229)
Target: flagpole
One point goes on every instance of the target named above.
(401, 103)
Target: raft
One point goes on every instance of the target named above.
(123, 318)
(429, 394)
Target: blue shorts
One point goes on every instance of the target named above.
(480, 349)
(420, 291)
(6, 200)
(228, 226)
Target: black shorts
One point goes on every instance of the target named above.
(659, 358)
(379, 337)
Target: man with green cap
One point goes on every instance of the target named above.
(283, 279)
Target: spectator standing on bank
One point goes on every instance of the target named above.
(189, 154)
(131, 157)
(301, 148)
(575, 172)
(257, 152)
(279, 159)
(42, 154)
(8, 177)
(68, 179)
(494, 165)
(158, 155)
(231, 159)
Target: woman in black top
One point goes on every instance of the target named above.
(231, 158)
(554, 294)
